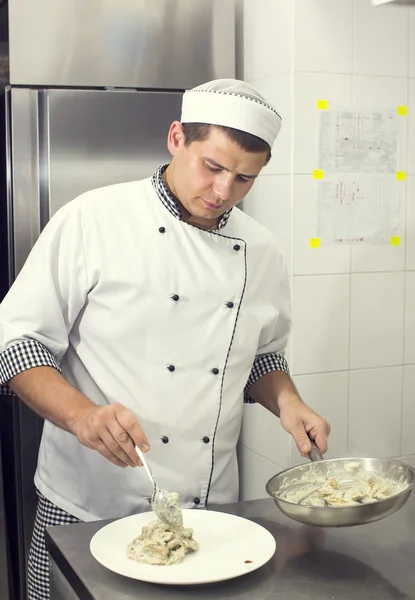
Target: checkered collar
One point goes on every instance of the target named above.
(169, 200)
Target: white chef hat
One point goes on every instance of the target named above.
(231, 103)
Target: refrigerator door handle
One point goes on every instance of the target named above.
(9, 186)
(43, 158)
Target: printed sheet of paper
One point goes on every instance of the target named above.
(362, 209)
(358, 141)
(359, 196)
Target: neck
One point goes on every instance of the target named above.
(187, 217)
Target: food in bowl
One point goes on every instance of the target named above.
(352, 487)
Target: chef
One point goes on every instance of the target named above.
(146, 313)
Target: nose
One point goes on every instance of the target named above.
(222, 188)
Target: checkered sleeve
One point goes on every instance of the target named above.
(21, 356)
(264, 363)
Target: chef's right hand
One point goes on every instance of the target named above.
(113, 431)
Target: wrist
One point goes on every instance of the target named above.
(78, 413)
(288, 398)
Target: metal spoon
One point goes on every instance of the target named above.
(314, 454)
(171, 515)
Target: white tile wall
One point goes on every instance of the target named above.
(412, 42)
(308, 89)
(327, 394)
(377, 320)
(307, 260)
(411, 127)
(255, 471)
(278, 91)
(385, 92)
(263, 434)
(321, 309)
(239, 39)
(267, 38)
(409, 357)
(410, 224)
(408, 413)
(269, 202)
(352, 305)
(381, 39)
(384, 257)
(331, 24)
(375, 412)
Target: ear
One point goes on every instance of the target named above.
(175, 138)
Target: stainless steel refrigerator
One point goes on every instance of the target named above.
(94, 87)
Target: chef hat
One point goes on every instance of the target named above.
(231, 103)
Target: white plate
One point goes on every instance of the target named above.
(226, 543)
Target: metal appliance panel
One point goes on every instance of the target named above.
(4, 553)
(173, 44)
(22, 174)
(65, 142)
(98, 138)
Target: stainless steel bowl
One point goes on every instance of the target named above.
(328, 516)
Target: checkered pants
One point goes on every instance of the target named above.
(47, 515)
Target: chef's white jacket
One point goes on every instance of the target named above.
(136, 306)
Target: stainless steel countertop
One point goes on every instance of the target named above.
(369, 561)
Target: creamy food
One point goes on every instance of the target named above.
(162, 544)
(352, 487)
(167, 509)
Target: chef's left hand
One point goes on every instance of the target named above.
(299, 420)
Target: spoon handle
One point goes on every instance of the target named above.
(314, 454)
(147, 468)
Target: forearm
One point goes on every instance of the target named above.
(111, 429)
(46, 392)
(274, 390)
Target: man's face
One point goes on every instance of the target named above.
(212, 176)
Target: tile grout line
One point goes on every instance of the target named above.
(349, 385)
(354, 273)
(403, 361)
(406, 250)
(261, 79)
(268, 173)
(357, 370)
(261, 455)
(349, 370)
(354, 74)
(292, 170)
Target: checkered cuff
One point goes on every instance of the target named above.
(20, 357)
(264, 363)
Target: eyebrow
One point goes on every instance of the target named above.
(219, 166)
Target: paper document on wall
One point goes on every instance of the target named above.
(363, 209)
(358, 141)
(359, 196)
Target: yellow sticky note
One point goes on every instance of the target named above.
(315, 243)
(322, 104)
(318, 174)
(402, 111)
(401, 175)
(395, 240)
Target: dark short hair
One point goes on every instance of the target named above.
(199, 132)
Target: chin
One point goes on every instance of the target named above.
(202, 213)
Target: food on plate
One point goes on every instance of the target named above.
(162, 544)
(352, 487)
